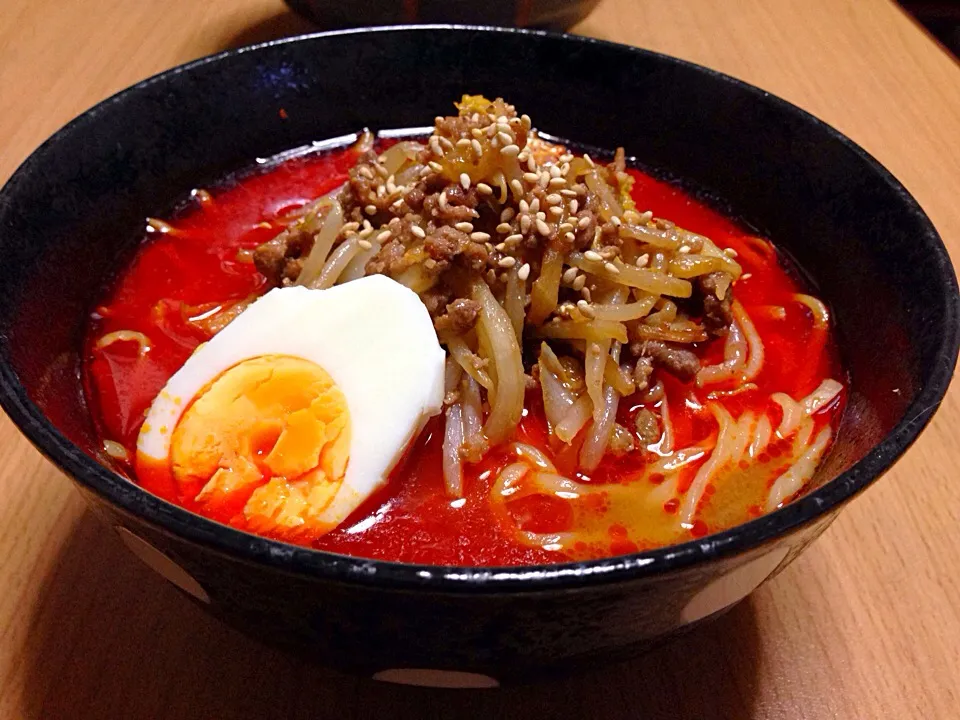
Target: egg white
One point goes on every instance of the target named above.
(375, 339)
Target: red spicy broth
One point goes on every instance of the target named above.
(199, 261)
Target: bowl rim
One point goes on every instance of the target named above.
(171, 519)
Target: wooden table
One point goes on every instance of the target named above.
(866, 624)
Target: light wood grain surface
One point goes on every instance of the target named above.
(866, 624)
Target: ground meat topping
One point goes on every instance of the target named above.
(679, 362)
(717, 297)
(460, 316)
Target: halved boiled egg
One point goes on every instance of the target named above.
(297, 411)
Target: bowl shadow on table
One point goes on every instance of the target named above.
(273, 27)
(109, 638)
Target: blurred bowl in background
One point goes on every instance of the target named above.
(547, 14)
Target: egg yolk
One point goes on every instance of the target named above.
(274, 428)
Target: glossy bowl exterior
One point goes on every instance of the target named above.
(73, 212)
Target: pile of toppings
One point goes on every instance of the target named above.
(537, 270)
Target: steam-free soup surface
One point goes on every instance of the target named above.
(197, 264)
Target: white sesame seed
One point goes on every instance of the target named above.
(525, 223)
(579, 282)
(553, 199)
(477, 147)
(477, 133)
(535, 205)
(631, 216)
(746, 276)
(589, 160)
(500, 119)
(574, 206)
(558, 211)
(565, 227)
(523, 156)
(367, 225)
(381, 191)
(584, 307)
(435, 145)
(366, 172)
(442, 201)
(507, 262)
(569, 275)
(643, 260)
(347, 227)
(480, 236)
(516, 186)
(507, 214)
(616, 221)
(523, 205)
(543, 228)
(524, 272)
(396, 204)
(435, 166)
(505, 138)
(464, 227)
(531, 177)
(513, 239)
(730, 252)
(555, 171)
(592, 255)
(526, 120)
(463, 142)
(384, 236)
(365, 233)
(491, 276)
(465, 181)
(541, 215)
(510, 150)
(647, 216)
(365, 244)
(515, 121)
(557, 182)
(566, 158)
(491, 131)
(569, 237)
(564, 169)
(489, 247)
(567, 192)
(584, 221)
(501, 247)
(531, 164)
(370, 209)
(504, 228)
(585, 291)
(484, 189)
(683, 249)
(611, 268)
(495, 143)
(418, 231)
(445, 142)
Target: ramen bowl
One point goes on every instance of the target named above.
(75, 210)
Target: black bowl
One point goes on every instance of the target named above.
(72, 212)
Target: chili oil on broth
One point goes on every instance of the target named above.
(195, 267)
